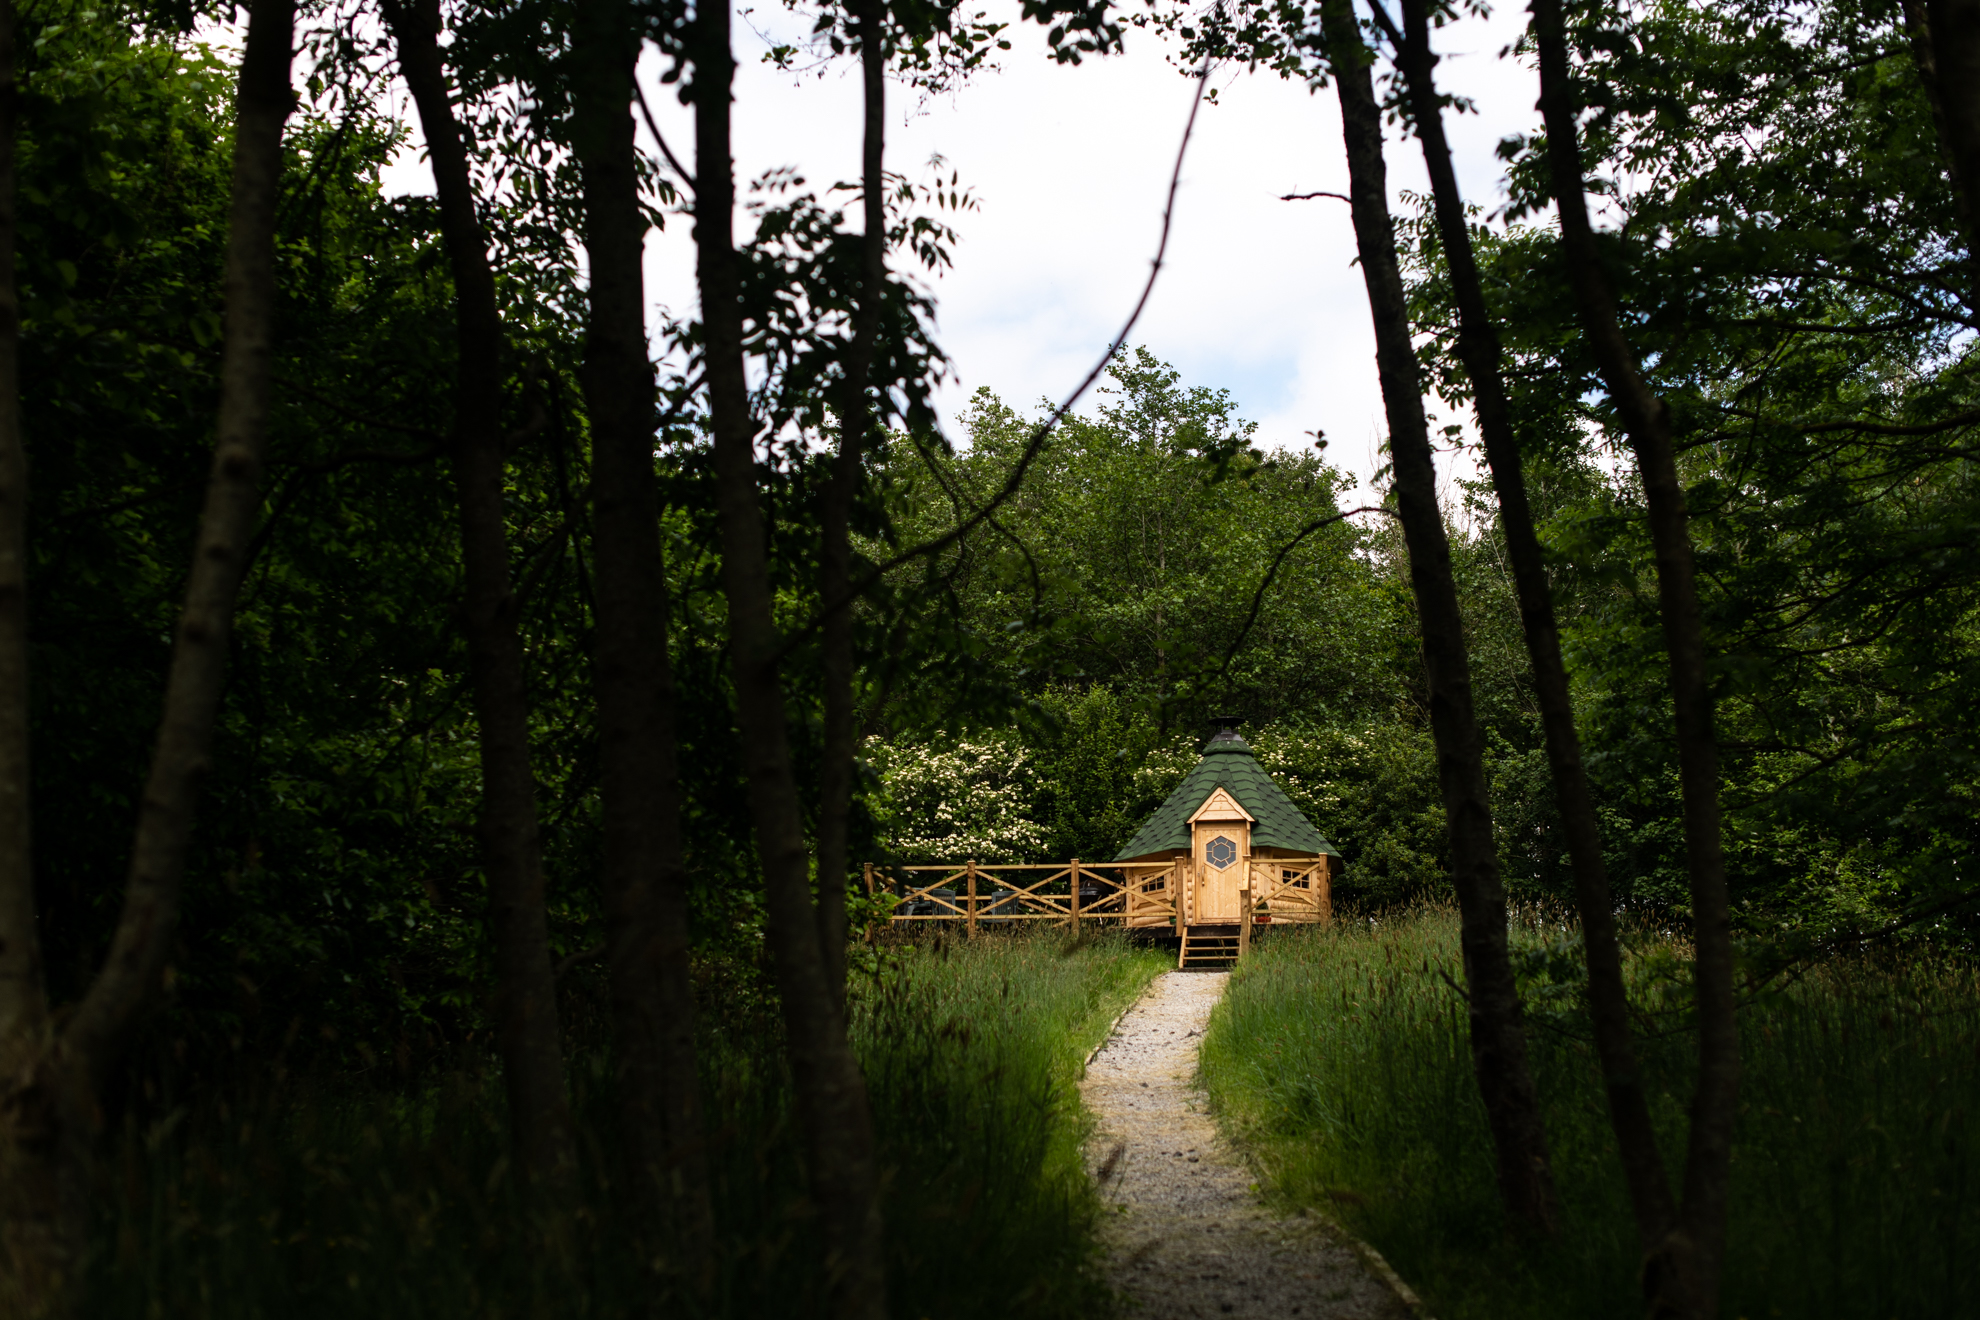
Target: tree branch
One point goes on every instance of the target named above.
(1036, 444)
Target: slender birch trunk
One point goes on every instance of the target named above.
(129, 978)
(1478, 347)
(841, 742)
(832, 1102)
(49, 1093)
(645, 880)
(1498, 1034)
(1684, 1271)
(508, 831)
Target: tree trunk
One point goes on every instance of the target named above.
(51, 1088)
(645, 880)
(1478, 346)
(34, 1254)
(1685, 1270)
(1498, 1035)
(1945, 41)
(23, 993)
(511, 845)
(130, 974)
(841, 742)
(837, 1124)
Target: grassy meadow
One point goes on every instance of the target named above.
(317, 1199)
(1341, 1056)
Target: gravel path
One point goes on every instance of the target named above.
(1189, 1238)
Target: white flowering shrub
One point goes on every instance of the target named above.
(1163, 768)
(1317, 772)
(971, 799)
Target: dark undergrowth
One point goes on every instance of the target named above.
(304, 1198)
(1341, 1056)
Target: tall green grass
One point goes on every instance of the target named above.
(1342, 1056)
(300, 1198)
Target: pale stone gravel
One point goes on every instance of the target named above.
(1186, 1234)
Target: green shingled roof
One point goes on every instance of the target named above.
(1228, 763)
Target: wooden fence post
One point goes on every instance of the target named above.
(972, 898)
(1075, 896)
(866, 874)
(1324, 900)
(1244, 920)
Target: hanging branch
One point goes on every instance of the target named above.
(1258, 596)
(1035, 445)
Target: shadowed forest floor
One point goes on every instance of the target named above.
(329, 1198)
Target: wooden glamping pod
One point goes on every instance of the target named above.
(1237, 854)
(1227, 853)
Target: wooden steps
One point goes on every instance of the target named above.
(1206, 947)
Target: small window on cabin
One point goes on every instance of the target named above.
(1220, 852)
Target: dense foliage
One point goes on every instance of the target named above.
(1796, 278)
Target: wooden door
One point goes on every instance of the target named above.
(1223, 858)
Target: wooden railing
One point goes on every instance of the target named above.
(1136, 894)
(1140, 895)
(1299, 891)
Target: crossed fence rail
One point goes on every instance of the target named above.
(1069, 893)
(1135, 894)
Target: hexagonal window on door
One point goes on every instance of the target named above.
(1220, 852)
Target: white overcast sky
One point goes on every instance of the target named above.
(1068, 165)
